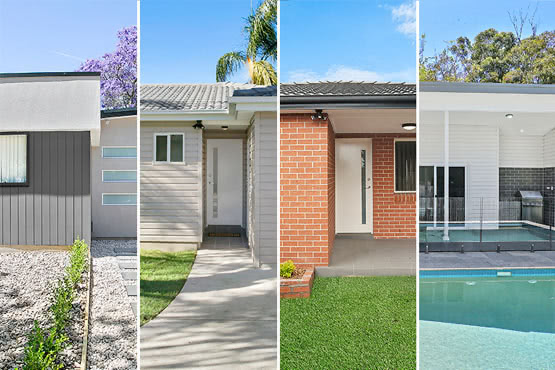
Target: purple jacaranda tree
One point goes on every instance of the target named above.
(118, 72)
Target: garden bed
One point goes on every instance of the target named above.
(299, 285)
(27, 282)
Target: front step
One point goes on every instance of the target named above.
(330, 271)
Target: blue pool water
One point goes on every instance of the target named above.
(473, 319)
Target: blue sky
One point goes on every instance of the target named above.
(57, 35)
(371, 40)
(443, 23)
(181, 41)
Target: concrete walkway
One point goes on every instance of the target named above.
(225, 317)
(362, 255)
(450, 260)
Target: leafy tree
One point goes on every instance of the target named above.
(118, 71)
(494, 56)
(261, 50)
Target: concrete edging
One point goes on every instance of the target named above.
(87, 310)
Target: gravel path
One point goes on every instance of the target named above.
(27, 279)
(113, 327)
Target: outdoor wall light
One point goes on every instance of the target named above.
(198, 125)
(409, 126)
(318, 115)
(509, 115)
(225, 128)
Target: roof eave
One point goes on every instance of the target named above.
(485, 88)
(346, 102)
(120, 112)
(208, 115)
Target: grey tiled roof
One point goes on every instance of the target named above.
(347, 88)
(196, 97)
(257, 91)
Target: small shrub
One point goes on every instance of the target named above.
(42, 349)
(78, 261)
(286, 269)
(61, 305)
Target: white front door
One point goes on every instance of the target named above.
(224, 193)
(353, 185)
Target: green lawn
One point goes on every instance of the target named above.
(351, 323)
(162, 277)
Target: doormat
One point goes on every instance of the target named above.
(225, 235)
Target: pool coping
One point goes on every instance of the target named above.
(498, 273)
(486, 268)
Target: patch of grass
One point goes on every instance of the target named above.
(163, 274)
(351, 323)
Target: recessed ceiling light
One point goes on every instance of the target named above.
(509, 115)
(521, 130)
(409, 126)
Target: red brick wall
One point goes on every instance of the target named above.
(394, 214)
(307, 190)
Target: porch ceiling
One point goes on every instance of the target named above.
(522, 123)
(371, 120)
(365, 121)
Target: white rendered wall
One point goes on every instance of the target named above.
(60, 103)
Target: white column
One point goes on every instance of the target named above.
(446, 176)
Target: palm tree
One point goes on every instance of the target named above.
(261, 48)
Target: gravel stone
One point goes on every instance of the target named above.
(27, 280)
(113, 326)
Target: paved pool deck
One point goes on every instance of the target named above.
(225, 317)
(455, 260)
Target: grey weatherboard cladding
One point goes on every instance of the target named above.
(55, 209)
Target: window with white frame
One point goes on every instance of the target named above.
(119, 176)
(13, 159)
(119, 199)
(119, 152)
(169, 147)
(405, 166)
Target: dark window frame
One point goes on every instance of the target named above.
(27, 162)
(395, 162)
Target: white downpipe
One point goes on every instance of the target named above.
(446, 177)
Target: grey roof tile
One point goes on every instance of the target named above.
(347, 88)
(196, 97)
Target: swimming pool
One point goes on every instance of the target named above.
(486, 237)
(476, 319)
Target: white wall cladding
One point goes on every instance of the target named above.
(171, 193)
(475, 147)
(521, 151)
(265, 187)
(549, 149)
